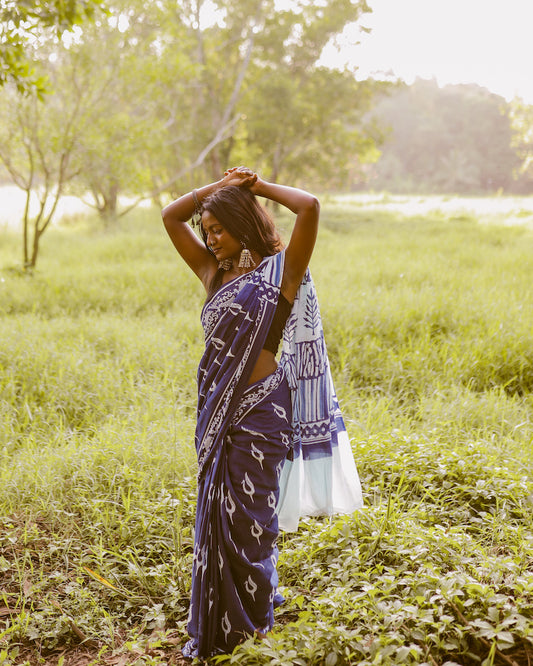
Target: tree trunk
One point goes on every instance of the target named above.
(25, 264)
(108, 211)
(35, 249)
(25, 239)
(216, 167)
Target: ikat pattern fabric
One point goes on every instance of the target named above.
(243, 437)
(234, 576)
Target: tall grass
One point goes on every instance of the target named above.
(429, 326)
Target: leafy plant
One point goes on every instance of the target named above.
(97, 463)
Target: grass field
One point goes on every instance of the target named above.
(429, 326)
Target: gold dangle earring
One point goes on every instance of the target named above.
(225, 264)
(245, 260)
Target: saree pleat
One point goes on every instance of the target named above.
(234, 574)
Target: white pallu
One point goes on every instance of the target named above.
(322, 478)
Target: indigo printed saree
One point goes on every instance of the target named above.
(268, 453)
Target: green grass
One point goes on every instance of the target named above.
(429, 326)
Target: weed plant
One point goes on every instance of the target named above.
(429, 326)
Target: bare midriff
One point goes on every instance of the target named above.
(265, 365)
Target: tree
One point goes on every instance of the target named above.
(304, 120)
(124, 132)
(159, 118)
(522, 126)
(38, 144)
(258, 76)
(308, 126)
(455, 139)
(201, 111)
(152, 97)
(23, 25)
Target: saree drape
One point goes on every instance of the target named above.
(245, 435)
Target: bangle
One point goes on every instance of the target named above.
(197, 215)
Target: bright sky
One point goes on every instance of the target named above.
(488, 42)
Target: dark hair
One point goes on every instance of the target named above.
(241, 215)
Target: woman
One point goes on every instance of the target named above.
(270, 439)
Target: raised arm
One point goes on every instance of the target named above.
(302, 242)
(186, 242)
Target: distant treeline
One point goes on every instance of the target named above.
(458, 138)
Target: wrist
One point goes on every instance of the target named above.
(260, 187)
(198, 196)
(204, 191)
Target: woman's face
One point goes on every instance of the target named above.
(220, 241)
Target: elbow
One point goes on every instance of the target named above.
(172, 216)
(167, 216)
(308, 206)
(314, 205)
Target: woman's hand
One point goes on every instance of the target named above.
(240, 176)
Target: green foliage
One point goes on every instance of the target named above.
(22, 23)
(428, 325)
(36, 148)
(300, 118)
(149, 98)
(309, 121)
(522, 126)
(451, 139)
(270, 104)
(125, 133)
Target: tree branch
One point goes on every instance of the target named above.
(220, 136)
